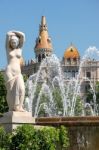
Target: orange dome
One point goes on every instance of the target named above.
(71, 52)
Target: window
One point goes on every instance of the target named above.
(39, 40)
(39, 58)
(68, 59)
(88, 74)
(71, 50)
(74, 59)
(43, 56)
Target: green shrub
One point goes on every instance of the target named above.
(64, 140)
(2, 137)
(27, 137)
(3, 92)
(49, 137)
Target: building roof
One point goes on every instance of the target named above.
(71, 52)
(43, 41)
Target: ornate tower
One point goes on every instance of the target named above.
(43, 45)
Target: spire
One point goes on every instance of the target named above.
(43, 20)
(43, 46)
(43, 41)
(43, 25)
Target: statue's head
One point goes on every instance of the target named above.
(14, 42)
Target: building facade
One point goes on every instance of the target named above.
(43, 48)
(69, 63)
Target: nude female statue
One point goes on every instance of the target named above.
(14, 79)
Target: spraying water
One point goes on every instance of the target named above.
(50, 78)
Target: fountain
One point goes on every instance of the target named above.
(60, 108)
(49, 78)
(50, 98)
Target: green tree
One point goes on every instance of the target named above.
(57, 97)
(46, 105)
(89, 95)
(2, 138)
(25, 77)
(97, 91)
(78, 106)
(3, 92)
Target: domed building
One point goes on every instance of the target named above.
(71, 55)
(70, 62)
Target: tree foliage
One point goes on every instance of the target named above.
(49, 103)
(90, 94)
(78, 106)
(3, 102)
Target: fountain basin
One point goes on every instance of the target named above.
(83, 132)
(68, 121)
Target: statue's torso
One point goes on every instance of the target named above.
(13, 67)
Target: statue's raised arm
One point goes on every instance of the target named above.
(21, 37)
(15, 34)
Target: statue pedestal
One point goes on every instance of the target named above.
(12, 119)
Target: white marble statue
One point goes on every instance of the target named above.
(14, 79)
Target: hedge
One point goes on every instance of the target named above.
(28, 137)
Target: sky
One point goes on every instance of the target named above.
(75, 21)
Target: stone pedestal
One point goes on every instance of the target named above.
(12, 119)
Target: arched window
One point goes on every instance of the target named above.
(68, 61)
(39, 40)
(39, 58)
(43, 56)
(74, 59)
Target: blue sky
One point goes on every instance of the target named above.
(75, 21)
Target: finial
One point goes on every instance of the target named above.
(43, 20)
(43, 25)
